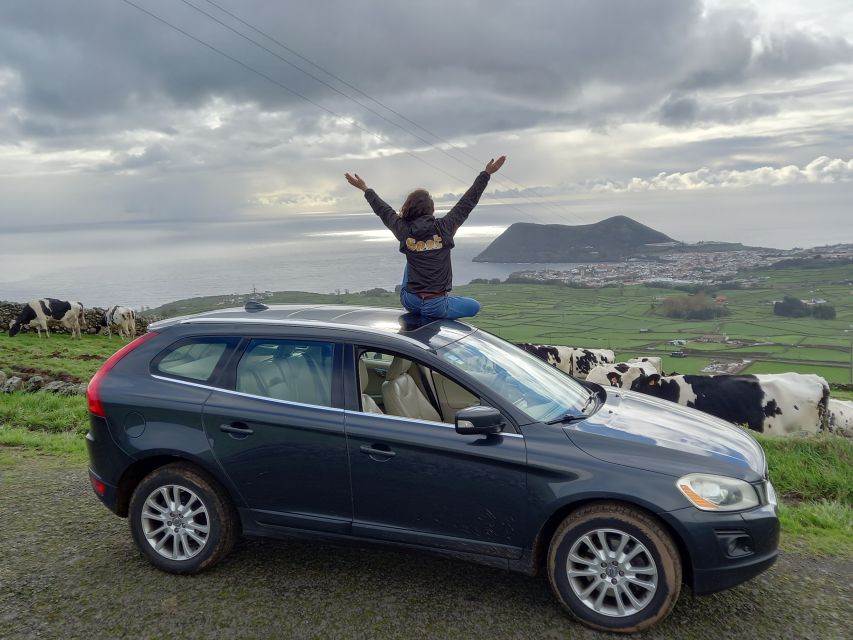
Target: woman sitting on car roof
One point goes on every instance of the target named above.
(426, 241)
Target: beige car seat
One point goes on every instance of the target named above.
(308, 383)
(267, 377)
(368, 405)
(402, 396)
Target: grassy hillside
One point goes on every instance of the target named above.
(57, 357)
(812, 474)
(627, 320)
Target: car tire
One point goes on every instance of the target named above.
(181, 519)
(610, 587)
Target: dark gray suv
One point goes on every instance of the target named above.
(355, 424)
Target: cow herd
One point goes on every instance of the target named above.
(775, 404)
(40, 314)
(780, 404)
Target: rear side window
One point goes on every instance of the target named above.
(292, 370)
(194, 358)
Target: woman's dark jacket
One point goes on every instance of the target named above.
(427, 241)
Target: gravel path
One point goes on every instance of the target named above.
(68, 569)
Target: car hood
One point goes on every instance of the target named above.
(657, 435)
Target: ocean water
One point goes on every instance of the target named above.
(158, 270)
(151, 262)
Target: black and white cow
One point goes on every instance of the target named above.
(840, 416)
(122, 317)
(655, 361)
(776, 404)
(575, 361)
(39, 313)
(621, 374)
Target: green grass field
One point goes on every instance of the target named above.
(620, 319)
(56, 357)
(626, 320)
(813, 475)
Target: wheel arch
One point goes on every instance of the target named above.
(546, 531)
(135, 473)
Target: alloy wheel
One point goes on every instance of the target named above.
(612, 572)
(175, 522)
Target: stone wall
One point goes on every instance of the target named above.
(37, 384)
(10, 310)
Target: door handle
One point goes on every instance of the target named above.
(236, 430)
(379, 454)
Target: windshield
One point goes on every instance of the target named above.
(543, 392)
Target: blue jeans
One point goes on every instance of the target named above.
(450, 307)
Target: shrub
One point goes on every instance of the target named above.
(693, 307)
(791, 307)
(823, 312)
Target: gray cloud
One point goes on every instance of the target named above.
(479, 67)
(107, 114)
(687, 110)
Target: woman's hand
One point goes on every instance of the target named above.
(493, 165)
(356, 181)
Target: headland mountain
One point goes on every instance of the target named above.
(614, 239)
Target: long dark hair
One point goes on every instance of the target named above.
(418, 203)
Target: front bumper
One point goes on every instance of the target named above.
(726, 549)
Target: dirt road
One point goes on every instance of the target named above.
(68, 569)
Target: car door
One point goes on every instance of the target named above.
(278, 433)
(418, 481)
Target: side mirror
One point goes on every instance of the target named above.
(479, 420)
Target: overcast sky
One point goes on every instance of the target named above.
(110, 116)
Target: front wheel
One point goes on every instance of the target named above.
(181, 519)
(614, 568)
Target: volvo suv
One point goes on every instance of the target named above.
(357, 424)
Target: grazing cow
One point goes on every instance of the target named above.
(122, 317)
(840, 416)
(38, 313)
(776, 404)
(574, 361)
(621, 374)
(654, 361)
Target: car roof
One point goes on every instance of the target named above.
(370, 320)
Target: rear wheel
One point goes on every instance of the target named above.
(181, 519)
(614, 568)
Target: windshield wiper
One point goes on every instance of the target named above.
(568, 417)
(574, 417)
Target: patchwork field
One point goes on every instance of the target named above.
(627, 320)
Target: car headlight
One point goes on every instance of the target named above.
(718, 493)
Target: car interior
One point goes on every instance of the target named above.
(287, 371)
(194, 360)
(393, 385)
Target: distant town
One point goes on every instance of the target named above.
(691, 267)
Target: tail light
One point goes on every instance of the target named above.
(93, 395)
(99, 487)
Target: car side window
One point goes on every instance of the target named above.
(193, 358)
(291, 370)
(393, 385)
